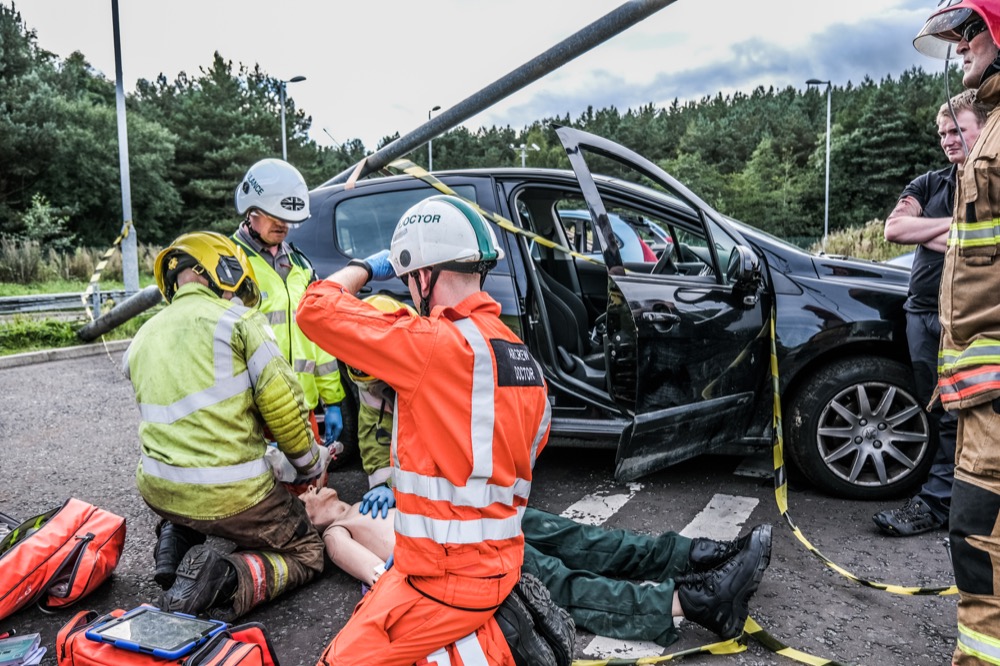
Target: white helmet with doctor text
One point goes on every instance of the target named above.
(446, 232)
(276, 188)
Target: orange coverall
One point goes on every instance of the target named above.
(472, 414)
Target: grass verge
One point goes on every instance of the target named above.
(27, 334)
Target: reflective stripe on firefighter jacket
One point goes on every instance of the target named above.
(208, 376)
(317, 370)
(471, 416)
(969, 360)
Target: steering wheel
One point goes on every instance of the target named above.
(665, 264)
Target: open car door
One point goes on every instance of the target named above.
(687, 344)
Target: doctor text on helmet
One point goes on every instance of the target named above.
(420, 219)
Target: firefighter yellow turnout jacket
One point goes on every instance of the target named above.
(208, 377)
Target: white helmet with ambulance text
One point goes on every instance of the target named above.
(955, 20)
(276, 188)
(446, 232)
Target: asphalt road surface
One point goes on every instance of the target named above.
(68, 429)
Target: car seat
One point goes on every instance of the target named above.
(570, 332)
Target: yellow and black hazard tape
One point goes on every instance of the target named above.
(408, 167)
(781, 498)
(733, 646)
(95, 277)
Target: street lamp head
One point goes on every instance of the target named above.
(817, 82)
(436, 108)
(296, 79)
(534, 146)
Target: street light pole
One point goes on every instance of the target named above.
(524, 151)
(826, 211)
(430, 142)
(281, 94)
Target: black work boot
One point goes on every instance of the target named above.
(708, 553)
(518, 627)
(201, 576)
(914, 517)
(172, 543)
(719, 599)
(551, 620)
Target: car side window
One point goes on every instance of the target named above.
(364, 224)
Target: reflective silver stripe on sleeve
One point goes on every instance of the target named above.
(204, 475)
(459, 531)
(304, 366)
(276, 317)
(476, 493)
(306, 457)
(483, 415)
(471, 651)
(260, 359)
(379, 476)
(324, 369)
(226, 385)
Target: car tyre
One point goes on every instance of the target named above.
(855, 429)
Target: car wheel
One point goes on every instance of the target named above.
(855, 429)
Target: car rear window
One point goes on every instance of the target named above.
(365, 223)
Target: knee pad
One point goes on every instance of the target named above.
(974, 512)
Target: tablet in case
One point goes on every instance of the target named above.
(152, 631)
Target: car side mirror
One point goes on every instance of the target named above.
(744, 273)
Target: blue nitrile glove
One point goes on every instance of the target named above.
(389, 562)
(381, 267)
(333, 424)
(379, 497)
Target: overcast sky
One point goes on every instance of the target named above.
(373, 68)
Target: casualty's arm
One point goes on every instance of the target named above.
(351, 556)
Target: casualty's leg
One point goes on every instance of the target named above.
(609, 552)
(606, 606)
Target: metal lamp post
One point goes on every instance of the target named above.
(826, 211)
(524, 151)
(430, 142)
(284, 143)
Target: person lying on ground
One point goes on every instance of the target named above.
(590, 571)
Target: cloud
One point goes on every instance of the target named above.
(842, 53)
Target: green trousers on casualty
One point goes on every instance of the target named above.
(596, 573)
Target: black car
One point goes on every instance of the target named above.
(671, 359)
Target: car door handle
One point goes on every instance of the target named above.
(661, 317)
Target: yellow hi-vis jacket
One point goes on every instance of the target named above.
(208, 377)
(969, 358)
(316, 369)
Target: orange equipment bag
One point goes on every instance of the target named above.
(59, 557)
(243, 645)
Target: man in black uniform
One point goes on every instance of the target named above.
(923, 216)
